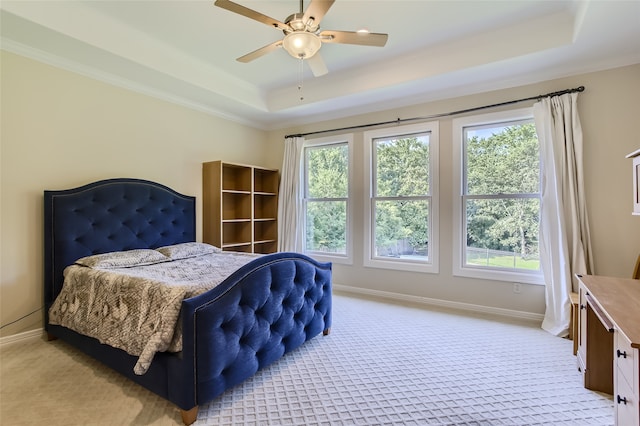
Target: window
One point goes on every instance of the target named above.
(327, 171)
(401, 212)
(497, 199)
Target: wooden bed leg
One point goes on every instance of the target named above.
(326, 331)
(189, 416)
(51, 337)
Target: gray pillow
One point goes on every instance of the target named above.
(185, 250)
(123, 259)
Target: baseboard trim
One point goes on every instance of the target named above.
(426, 301)
(20, 337)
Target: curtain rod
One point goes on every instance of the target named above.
(445, 114)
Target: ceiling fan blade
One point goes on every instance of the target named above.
(316, 11)
(260, 52)
(252, 14)
(351, 37)
(317, 65)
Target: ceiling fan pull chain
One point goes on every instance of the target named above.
(301, 78)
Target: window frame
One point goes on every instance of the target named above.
(459, 200)
(432, 265)
(346, 258)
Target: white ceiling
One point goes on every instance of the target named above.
(184, 51)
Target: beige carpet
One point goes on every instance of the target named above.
(381, 364)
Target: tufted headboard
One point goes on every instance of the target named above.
(110, 215)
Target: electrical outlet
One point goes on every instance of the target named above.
(517, 288)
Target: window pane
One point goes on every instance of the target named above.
(326, 226)
(327, 168)
(503, 233)
(402, 166)
(502, 159)
(401, 229)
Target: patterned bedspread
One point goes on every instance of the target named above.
(137, 308)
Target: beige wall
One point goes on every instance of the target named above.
(609, 110)
(61, 130)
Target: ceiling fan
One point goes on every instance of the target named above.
(302, 35)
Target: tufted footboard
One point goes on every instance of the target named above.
(264, 310)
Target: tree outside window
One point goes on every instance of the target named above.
(401, 199)
(501, 196)
(326, 198)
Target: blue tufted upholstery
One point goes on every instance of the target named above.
(262, 311)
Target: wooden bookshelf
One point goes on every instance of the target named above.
(240, 207)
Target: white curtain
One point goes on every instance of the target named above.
(290, 197)
(565, 245)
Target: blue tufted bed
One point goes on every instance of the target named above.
(263, 310)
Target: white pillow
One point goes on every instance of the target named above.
(185, 250)
(123, 259)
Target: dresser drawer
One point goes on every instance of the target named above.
(626, 403)
(626, 361)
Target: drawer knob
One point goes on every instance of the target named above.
(582, 306)
(622, 354)
(623, 400)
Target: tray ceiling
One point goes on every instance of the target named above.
(184, 51)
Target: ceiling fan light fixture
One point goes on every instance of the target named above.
(301, 44)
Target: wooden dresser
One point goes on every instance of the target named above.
(609, 342)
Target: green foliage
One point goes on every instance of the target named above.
(506, 162)
(401, 226)
(480, 257)
(502, 164)
(327, 171)
(326, 226)
(402, 166)
(402, 170)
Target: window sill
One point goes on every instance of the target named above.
(340, 259)
(399, 265)
(535, 278)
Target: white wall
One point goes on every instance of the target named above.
(61, 130)
(609, 110)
